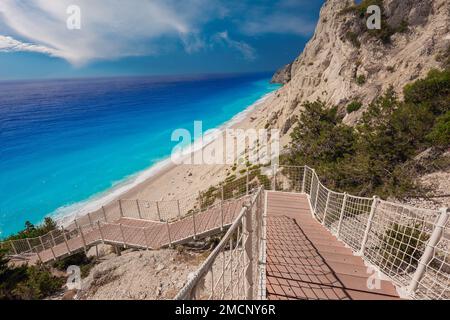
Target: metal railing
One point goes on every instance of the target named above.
(234, 270)
(408, 245)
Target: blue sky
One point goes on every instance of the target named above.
(147, 37)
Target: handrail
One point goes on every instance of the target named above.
(408, 245)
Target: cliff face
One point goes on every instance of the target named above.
(344, 61)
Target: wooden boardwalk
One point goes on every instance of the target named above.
(305, 261)
(145, 234)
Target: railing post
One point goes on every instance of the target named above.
(123, 236)
(53, 238)
(39, 256)
(248, 245)
(29, 244)
(157, 211)
(104, 214)
(369, 225)
(326, 208)
(221, 209)
(304, 180)
(65, 239)
(274, 174)
(82, 236)
(42, 243)
(139, 209)
(429, 250)
(100, 231)
(317, 197)
(90, 220)
(168, 233)
(179, 210)
(146, 239)
(121, 209)
(341, 216)
(13, 247)
(247, 183)
(195, 228)
(200, 200)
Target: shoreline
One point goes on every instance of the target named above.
(166, 180)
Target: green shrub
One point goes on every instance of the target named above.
(354, 106)
(26, 283)
(374, 157)
(440, 134)
(361, 79)
(402, 246)
(32, 231)
(353, 38)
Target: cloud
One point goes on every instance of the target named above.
(113, 29)
(245, 49)
(9, 44)
(110, 29)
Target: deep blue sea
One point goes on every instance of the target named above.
(66, 142)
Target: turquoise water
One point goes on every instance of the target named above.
(64, 142)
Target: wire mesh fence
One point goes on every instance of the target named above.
(232, 270)
(409, 245)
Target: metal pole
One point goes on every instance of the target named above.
(13, 247)
(341, 216)
(123, 236)
(146, 239)
(179, 210)
(104, 213)
(65, 239)
(168, 233)
(29, 245)
(317, 197)
(369, 225)
(101, 233)
(42, 243)
(248, 245)
(304, 180)
(157, 210)
(139, 209)
(247, 183)
(195, 228)
(120, 207)
(53, 253)
(221, 208)
(326, 208)
(90, 220)
(53, 239)
(82, 236)
(274, 174)
(429, 251)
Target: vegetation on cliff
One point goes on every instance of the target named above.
(377, 155)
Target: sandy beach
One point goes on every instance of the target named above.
(168, 181)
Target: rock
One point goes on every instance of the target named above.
(70, 295)
(327, 67)
(283, 75)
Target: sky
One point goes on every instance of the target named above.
(94, 38)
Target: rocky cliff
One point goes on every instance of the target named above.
(345, 61)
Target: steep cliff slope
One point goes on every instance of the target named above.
(344, 61)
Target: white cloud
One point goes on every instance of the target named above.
(9, 44)
(110, 29)
(245, 49)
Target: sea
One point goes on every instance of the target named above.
(69, 144)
